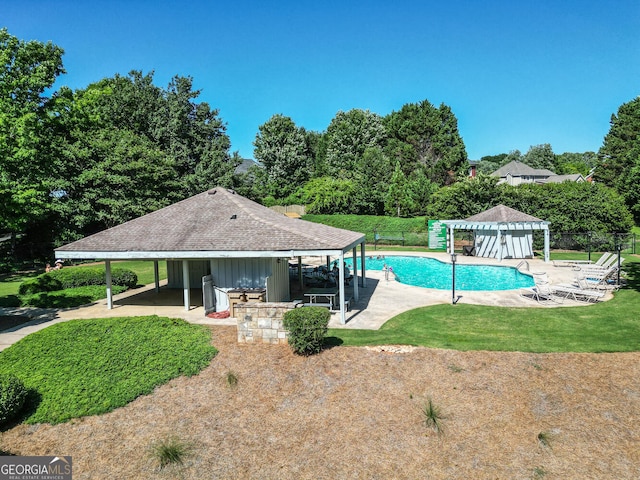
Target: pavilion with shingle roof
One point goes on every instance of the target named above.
(244, 241)
(501, 232)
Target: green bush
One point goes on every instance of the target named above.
(70, 297)
(307, 328)
(77, 277)
(12, 397)
(41, 283)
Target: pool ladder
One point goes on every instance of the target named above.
(522, 264)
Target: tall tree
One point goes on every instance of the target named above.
(282, 149)
(425, 137)
(349, 135)
(126, 147)
(540, 157)
(619, 156)
(27, 70)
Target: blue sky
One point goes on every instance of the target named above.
(515, 73)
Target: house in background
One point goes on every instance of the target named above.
(516, 173)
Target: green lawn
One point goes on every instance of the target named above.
(89, 367)
(612, 326)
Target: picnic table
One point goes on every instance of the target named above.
(316, 295)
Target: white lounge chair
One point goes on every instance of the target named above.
(598, 279)
(577, 293)
(578, 263)
(541, 290)
(611, 262)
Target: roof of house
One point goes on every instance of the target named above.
(502, 213)
(573, 177)
(219, 222)
(519, 169)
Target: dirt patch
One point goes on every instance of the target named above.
(357, 413)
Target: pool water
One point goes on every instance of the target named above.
(431, 273)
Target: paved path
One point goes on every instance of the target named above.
(379, 301)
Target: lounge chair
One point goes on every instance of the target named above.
(542, 289)
(611, 262)
(598, 279)
(578, 263)
(577, 293)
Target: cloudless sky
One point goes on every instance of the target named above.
(515, 73)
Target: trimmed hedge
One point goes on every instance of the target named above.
(12, 397)
(77, 277)
(41, 283)
(307, 328)
(85, 276)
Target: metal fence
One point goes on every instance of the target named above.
(566, 241)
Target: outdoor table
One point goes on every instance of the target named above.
(322, 293)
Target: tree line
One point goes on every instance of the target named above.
(74, 162)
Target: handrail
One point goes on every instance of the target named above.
(523, 262)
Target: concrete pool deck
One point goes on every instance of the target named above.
(378, 302)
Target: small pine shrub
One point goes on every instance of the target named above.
(232, 379)
(432, 416)
(12, 397)
(307, 329)
(170, 450)
(41, 283)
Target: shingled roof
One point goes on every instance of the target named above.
(215, 223)
(502, 213)
(519, 169)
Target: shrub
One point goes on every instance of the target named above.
(41, 283)
(307, 328)
(170, 450)
(12, 397)
(85, 276)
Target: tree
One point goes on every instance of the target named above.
(426, 137)
(282, 149)
(398, 198)
(349, 135)
(620, 153)
(569, 163)
(125, 147)
(27, 70)
(540, 157)
(465, 198)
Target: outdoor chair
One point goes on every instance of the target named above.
(579, 263)
(577, 293)
(542, 289)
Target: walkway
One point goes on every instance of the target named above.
(379, 301)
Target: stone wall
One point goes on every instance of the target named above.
(261, 322)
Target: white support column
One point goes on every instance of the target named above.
(452, 245)
(107, 268)
(343, 318)
(156, 275)
(499, 244)
(185, 284)
(300, 277)
(363, 267)
(546, 245)
(355, 274)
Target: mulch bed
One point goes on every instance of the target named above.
(358, 413)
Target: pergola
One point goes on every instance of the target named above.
(500, 223)
(221, 226)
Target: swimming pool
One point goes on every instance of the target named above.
(431, 273)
